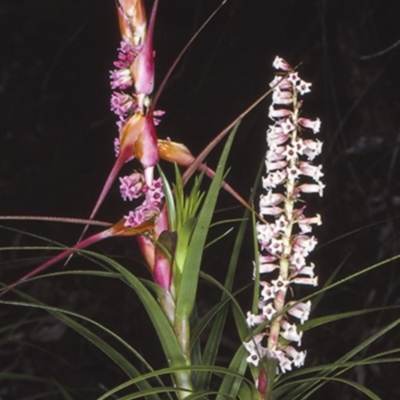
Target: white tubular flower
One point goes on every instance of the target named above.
(285, 239)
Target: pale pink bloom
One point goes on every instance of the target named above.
(313, 171)
(265, 233)
(306, 281)
(266, 265)
(290, 153)
(287, 125)
(312, 148)
(298, 357)
(278, 112)
(281, 64)
(281, 223)
(253, 319)
(315, 124)
(297, 260)
(290, 332)
(274, 165)
(284, 363)
(275, 153)
(276, 246)
(293, 78)
(307, 270)
(271, 199)
(274, 178)
(271, 210)
(305, 223)
(303, 87)
(276, 136)
(312, 188)
(267, 293)
(281, 97)
(255, 348)
(299, 146)
(268, 311)
(280, 82)
(279, 284)
(306, 242)
(293, 172)
(300, 311)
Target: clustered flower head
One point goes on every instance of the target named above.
(286, 239)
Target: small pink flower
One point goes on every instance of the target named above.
(287, 126)
(131, 186)
(313, 171)
(314, 125)
(290, 332)
(306, 281)
(253, 319)
(281, 64)
(281, 97)
(267, 293)
(266, 264)
(298, 357)
(121, 78)
(300, 311)
(279, 284)
(268, 311)
(303, 87)
(278, 112)
(312, 188)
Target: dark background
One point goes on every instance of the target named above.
(56, 135)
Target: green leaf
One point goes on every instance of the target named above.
(190, 275)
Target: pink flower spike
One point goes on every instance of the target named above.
(281, 64)
(314, 125)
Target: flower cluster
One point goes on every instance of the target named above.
(132, 82)
(150, 207)
(285, 240)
